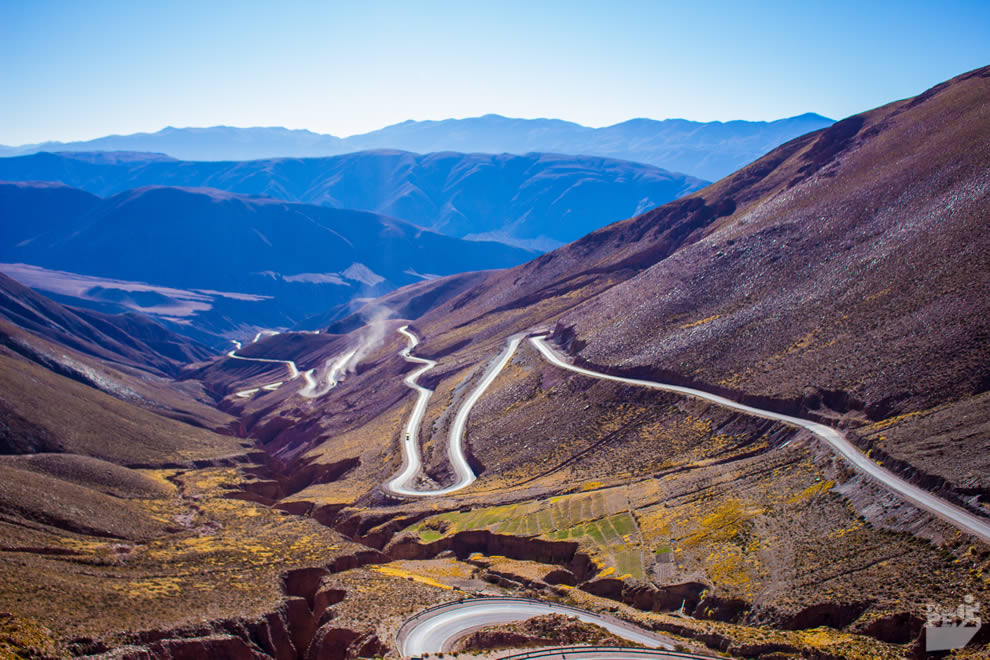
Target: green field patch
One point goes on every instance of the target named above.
(583, 509)
(546, 521)
(596, 520)
(629, 562)
(595, 532)
(624, 523)
(611, 534)
(495, 516)
(511, 526)
(597, 505)
(429, 535)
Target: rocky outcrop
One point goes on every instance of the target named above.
(731, 610)
(560, 576)
(669, 598)
(606, 588)
(304, 582)
(343, 644)
(900, 628)
(377, 527)
(216, 647)
(301, 627)
(269, 637)
(833, 615)
(464, 544)
(318, 473)
(358, 559)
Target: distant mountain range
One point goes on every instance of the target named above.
(707, 150)
(217, 260)
(538, 201)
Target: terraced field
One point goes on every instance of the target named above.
(600, 521)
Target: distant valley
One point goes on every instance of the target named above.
(536, 201)
(216, 259)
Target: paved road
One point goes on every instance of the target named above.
(951, 513)
(410, 445)
(434, 630)
(293, 370)
(412, 462)
(311, 388)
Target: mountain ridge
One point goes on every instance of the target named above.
(535, 200)
(670, 143)
(217, 258)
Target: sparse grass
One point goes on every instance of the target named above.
(219, 558)
(703, 321)
(597, 520)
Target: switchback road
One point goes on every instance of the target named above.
(412, 463)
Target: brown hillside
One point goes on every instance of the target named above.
(843, 277)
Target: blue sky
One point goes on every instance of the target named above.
(77, 70)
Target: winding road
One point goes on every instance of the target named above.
(401, 484)
(311, 388)
(952, 514)
(293, 370)
(434, 630)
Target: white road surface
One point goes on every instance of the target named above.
(954, 515)
(401, 484)
(312, 388)
(293, 370)
(434, 630)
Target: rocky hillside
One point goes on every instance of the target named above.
(840, 278)
(845, 269)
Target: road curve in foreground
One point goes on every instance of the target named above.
(436, 629)
(401, 484)
(952, 514)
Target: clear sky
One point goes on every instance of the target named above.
(74, 70)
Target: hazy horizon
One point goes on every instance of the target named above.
(399, 123)
(75, 72)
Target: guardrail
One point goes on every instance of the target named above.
(584, 650)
